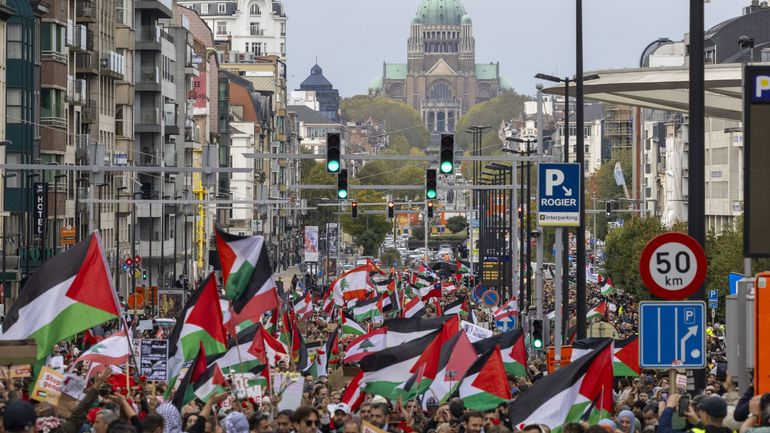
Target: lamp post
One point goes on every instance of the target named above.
(580, 157)
(99, 208)
(6, 290)
(176, 234)
(133, 243)
(56, 211)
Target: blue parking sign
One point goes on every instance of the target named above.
(558, 199)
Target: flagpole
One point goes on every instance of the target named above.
(238, 351)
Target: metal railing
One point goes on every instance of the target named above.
(149, 34)
(149, 74)
(85, 9)
(150, 117)
(88, 113)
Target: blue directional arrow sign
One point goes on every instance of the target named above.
(672, 334)
(558, 199)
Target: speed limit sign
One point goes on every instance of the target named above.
(673, 266)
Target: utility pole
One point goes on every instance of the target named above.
(541, 234)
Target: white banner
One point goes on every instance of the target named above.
(311, 243)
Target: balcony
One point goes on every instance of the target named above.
(76, 91)
(88, 113)
(169, 119)
(54, 121)
(81, 146)
(192, 136)
(113, 64)
(257, 32)
(148, 79)
(148, 121)
(167, 246)
(149, 38)
(453, 104)
(87, 63)
(85, 11)
(82, 39)
(163, 7)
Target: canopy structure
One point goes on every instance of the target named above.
(666, 88)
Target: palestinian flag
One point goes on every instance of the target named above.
(512, 350)
(327, 355)
(260, 377)
(457, 355)
(509, 309)
(303, 307)
(387, 369)
(259, 293)
(199, 382)
(462, 268)
(430, 359)
(71, 292)
(625, 358)
(367, 309)
(411, 387)
(580, 391)
(414, 308)
(460, 306)
(607, 288)
(238, 256)
(598, 311)
(430, 291)
(353, 284)
(267, 348)
(485, 384)
(350, 326)
(200, 322)
(354, 395)
(448, 288)
(365, 345)
(238, 359)
(404, 330)
(389, 302)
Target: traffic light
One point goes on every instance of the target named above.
(536, 333)
(447, 154)
(609, 208)
(391, 210)
(354, 209)
(430, 184)
(342, 184)
(333, 162)
(144, 274)
(430, 209)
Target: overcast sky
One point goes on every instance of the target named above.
(351, 38)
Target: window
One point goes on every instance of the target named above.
(572, 130)
(221, 8)
(283, 49)
(204, 8)
(254, 29)
(484, 91)
(221, 28)
(52, 37)
(283, 29)
(14, 41)
(440, 90)
(13, 111)
(254, 9)
(587, 131)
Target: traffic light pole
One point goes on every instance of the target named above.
(425, 235)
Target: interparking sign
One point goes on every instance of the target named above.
(558, 200)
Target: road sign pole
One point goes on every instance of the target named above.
(557, 325)
(515, 239)
(539, 276)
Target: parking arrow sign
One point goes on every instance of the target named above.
(558, 201)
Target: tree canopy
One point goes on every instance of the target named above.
(397, 117)
(601, 186)
(492, 113)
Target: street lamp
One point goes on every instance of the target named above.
(526, 209)
(117, 238)
(163, 240)
(78, 181)
(99, 208)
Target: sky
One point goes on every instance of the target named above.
(351, 38)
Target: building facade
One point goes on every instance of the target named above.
(322, 92)
(251, 27)
(441, 79)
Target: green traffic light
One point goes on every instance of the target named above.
(431, 193)
(343, 193)
(333, 165)
(446, 167)
(537, 344)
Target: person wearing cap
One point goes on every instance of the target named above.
(340, 414)
(705, 414)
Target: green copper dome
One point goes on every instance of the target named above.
(441, 12)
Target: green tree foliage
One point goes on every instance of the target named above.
(391, 257)
(624, 246)
(602, 187)
(312, 174)
(368, 231)
(456, 224)
(397, 117)
(492, 113)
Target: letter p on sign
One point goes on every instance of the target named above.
(553, 178)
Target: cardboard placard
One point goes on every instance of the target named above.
(370, 428)
(73, 386)
(48, 386)
(292, 393)
(19, 371)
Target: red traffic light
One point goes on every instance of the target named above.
(138, 259)
(129, 262)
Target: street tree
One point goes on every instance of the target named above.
(456, 224)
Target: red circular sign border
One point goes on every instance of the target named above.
(700, 260)
(497, 302)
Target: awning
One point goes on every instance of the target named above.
(666, 88)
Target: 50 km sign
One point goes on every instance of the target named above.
(673, 266)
